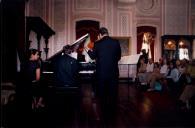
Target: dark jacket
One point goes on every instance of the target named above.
(107, 53)
(66, 70)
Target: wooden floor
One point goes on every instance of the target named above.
(136, 108)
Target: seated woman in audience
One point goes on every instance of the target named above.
(154, 76)
(182, 67)
(150, 66)
(186, 95)
(185, 77)
(178, 63)
(142, 71)
(172, 79)
(191, 69)
(160, 61)
(164, 67)
(189, 88)
(173, 73)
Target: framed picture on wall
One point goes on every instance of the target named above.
(125, 43)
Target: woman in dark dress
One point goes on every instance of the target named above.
(32, 73)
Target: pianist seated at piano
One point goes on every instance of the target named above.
(66, 67)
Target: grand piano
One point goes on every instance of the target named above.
(64, 71)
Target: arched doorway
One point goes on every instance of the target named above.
(150, 33)
(87, 26)
(83, 27)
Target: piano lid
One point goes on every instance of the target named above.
(70, 47)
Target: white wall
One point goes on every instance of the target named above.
(121, 17)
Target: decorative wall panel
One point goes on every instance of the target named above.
(59, 24)
(193, 7)
(123, 23)
(176, 17)
(148, 7)
(109, 16)
(92, 5)
(193, 47)
(36, 8)
(127, 1)
(193, 27)
(59, 15)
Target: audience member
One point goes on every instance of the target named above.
(142, 72)
(150, 66)
(173, 79)
(154, 76)
(186, 95)
(164, 67)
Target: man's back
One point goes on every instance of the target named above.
(108, 54)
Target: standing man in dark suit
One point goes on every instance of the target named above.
(107, 53)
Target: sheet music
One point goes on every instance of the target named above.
(87, 41)
(131, 59)
(73, 55)
(87, 57)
